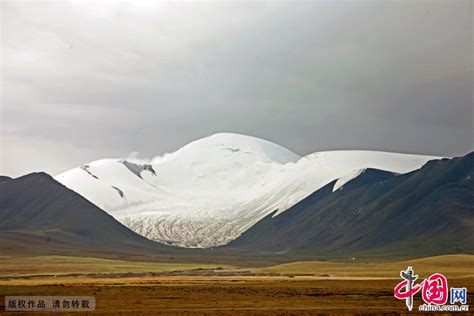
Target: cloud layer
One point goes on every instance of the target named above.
(88, 80)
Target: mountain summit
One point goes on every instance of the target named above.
(210, 191)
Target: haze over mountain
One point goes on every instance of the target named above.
(213, 189)
(40, 215)
(425, 212)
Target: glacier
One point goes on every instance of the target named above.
(210, 191)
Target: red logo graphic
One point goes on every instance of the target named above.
(435, 288)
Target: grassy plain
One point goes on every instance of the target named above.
(450, 265)
(300, 288)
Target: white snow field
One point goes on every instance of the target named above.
(210, 191)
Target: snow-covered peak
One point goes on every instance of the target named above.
(210, 191)
(232, 146)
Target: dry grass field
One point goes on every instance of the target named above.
(450, 265)
(325, 287)
(63, 265)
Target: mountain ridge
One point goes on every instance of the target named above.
(395, 214)
(37, 213)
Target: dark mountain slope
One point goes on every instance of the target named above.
(39, 214)
(426, 212)
(4, 178)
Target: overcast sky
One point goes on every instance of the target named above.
(85, 80)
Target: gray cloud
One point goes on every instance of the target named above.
(88, 80)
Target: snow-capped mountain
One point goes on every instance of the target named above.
(210, 191)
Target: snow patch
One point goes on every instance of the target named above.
(343, 180)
